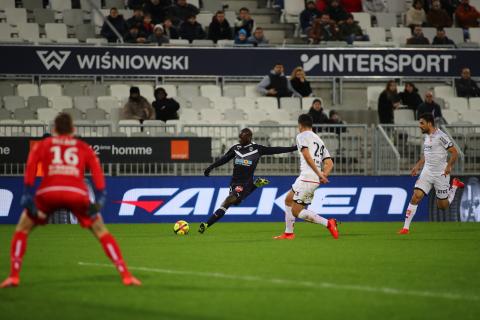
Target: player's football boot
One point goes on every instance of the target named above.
(203, 227)
(10, 282)
(285, 236)
(131, 281)
(404, 231)
(260, 182)
(457, 183)
(332, 227)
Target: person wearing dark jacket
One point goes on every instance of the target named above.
(135, 35)
(244, 21)
(157, 9)
(181, 10)
(276, 84)
(308, 16)
(336, 12)
(191, 29)
(119, 24)
(165, 108)
(334, 119)
(410, 96)
(318, 115)
(169, 29)
(388, 101)
(429, 106)
(441, 39)
(136, 20)
(219, 28)
(465, 86)
(158, 36)
(418, 38)
(299, 82)
(323, 29)
(351, 31)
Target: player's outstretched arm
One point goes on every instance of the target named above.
(265, 151)
(327, 166)
(220, 162)
(453, 158)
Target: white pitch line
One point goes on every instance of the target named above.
(308, 284)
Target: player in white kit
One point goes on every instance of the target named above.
(436, 169)
(313, 154)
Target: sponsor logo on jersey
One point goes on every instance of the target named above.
(243, 162)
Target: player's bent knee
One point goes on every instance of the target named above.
(442, 204)
(296, 209)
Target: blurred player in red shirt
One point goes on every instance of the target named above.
(64, 160)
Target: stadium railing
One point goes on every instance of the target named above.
(387, 157)
(467, 140)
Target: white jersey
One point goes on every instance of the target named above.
(435, 151)
(316, 148)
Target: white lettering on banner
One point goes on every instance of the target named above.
(367, 196)
(329, 200)
(175, 206)
(136, 151)
(127, 209)
(52, 59)
(137, 62)
(6, 198)
(4, 151)
(377, 63)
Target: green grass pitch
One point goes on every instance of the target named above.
(236, 271)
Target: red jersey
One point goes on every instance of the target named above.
(64, 160)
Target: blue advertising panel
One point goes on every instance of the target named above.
(168, 199)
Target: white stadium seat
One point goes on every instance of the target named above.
(56, 31)
(376, 35)
(267, 104)
(451, 116)
(234, 91)
(16, 16)
(458, 104)
(443, 92)
(211, 116)
(472, 116)
(146, 91)
(47, 114)
(107, 103)
(475, 33)
(222, 103)
(404, 116)
(455, 34)
(210, 91)
(363, 18)
(61, 102)
(29, 31)
(373, 92)
(308, 101)
(245, 103)
(120, 91)
(474, 103)
(27, 90)
(400, 35)
(386, 20)
(251, 91)
(51, 90)
(60, 5)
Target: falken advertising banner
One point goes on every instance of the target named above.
(162, 61)
(168, 199)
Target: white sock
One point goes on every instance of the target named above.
(411, 209)
(451, 194)
(312, 217)
(289, 220)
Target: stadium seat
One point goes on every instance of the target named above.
(274, 36)
(187, 91)
(129, 126)
(455, 34)
(61, 102)
(404, 116)
(212, 5)
(386, 20)
(32, 4)
(307, 102)
(280, 116)
(27, 89)
(86, 31)
(443, 92)
(171, 89)
(96, 90)
(472, 116)
(29, 31)
(396, 6)
(373, 92)
(429, 33)
(120, 91)
(75, 113)
(455, 103)
(254, 116)
(73, 17)
(5, 114)
(5, 32)
(234, 91)
(83, 103)
(51, 90)
(96, 41)
(292, 10)
(400, 35)
(222, 103)
(37, 102)
(363, 18)
(43, 16)
(179, 42)
(188, 115)
(204, 18)
(146, 90)
(24, 114)
(475, 33)
(200, 103)
(13, 102)
(86, 6)
(251, 91)
(56, 31)
(451, 116)
(291, 104)
(376, 35)
(474, 103)
(107, 103)
(4, 4)
(120, 4)
(234, 115)
(73, 89)
(16, 16)
(225, 43)
(6, 89)
(245, 103)
(210, 91)
(211, 116)
(60, 5)
(267, 104)
(202, 43)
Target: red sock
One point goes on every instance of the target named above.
(17, 250)
(112, 250)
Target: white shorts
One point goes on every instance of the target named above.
(440, 182)
(303, 190)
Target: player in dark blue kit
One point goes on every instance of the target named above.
(246, 155)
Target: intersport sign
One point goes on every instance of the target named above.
(167, 199)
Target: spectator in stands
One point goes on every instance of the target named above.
(448, 5)
(219, 28)
(334, 119)
(118, 22)
(388, 101)
(181, 10)
(157, 9)
(165, 108)
(417, 37)
(466, 86)
(136, 20)
(137, 107)
(410, 97)
(351, 31)
(318, 114)
(429, 106)
(158, 36)
(308, 16)
(467, 16)
(169, 29)
(441, 39)
(438, 17)
(135, 4)
(191, 29)
(135, 35)
(244, 21)
(336, 11)
(257, 37)
(276, 84)
(241, 38)
(415, 15)
(323, 29)
(321, 5)
(351, 5)
(147, 26)
(299, 83)
(374, 6)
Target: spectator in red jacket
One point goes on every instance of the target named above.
(322, 5)
(351, 5)
(467, 15)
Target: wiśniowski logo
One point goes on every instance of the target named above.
(52, 59)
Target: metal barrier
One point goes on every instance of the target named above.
(23, 130)
(387, 157)
(150, 129)
(467, 139)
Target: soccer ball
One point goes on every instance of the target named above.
(181, 227)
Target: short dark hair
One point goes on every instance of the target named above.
(135, 90)
(63, 124)
(428, 117)
(305, 120)
(244, 9)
